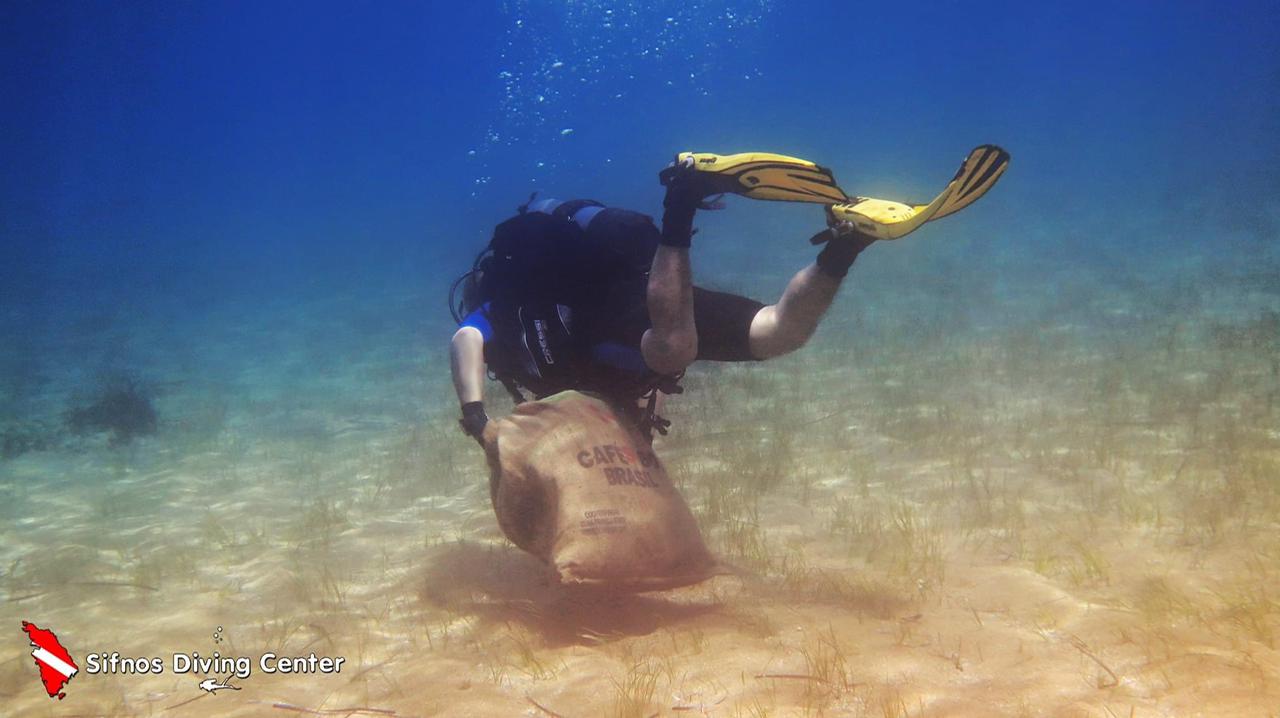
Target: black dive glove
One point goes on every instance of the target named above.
(844, 244)
(688, 191)
(474, 420)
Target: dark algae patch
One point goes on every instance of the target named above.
(18, 439)
(120, 406)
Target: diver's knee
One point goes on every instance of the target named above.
(681, 350)
(670, 352)
(778, 342)
(772, 335)
(796, 340)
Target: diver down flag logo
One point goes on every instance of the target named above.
(55, 664)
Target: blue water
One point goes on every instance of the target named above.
(255, 209)
(164, 160)
(156, 138)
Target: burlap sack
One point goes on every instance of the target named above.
(577, 487)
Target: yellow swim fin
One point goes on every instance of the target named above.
(764, 175)
(886, 219)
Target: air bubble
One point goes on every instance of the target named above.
(615, 55)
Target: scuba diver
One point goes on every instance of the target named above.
(576, 295)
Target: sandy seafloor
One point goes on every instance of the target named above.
(986, 493)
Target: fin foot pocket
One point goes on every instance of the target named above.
(764, 175)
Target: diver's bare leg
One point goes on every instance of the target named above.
(671, 344)
(784, 327)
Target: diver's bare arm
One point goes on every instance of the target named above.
(672, 342)
(466, 358)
